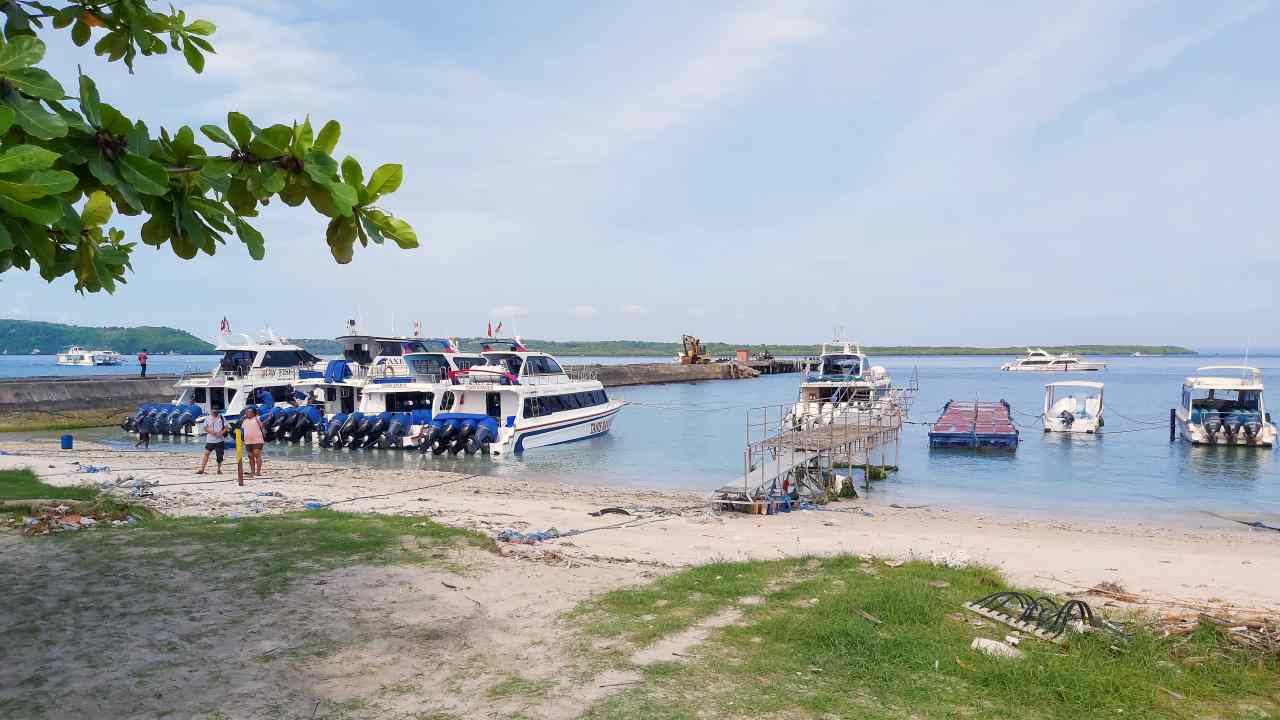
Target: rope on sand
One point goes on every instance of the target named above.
(398, 492)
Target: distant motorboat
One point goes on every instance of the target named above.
(1041, 360)
(76, 355)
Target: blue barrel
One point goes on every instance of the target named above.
(66, 442)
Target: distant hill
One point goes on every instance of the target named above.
(637, 348)
(20, 337)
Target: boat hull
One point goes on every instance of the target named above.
(1055, 367)
(557, 432)
(1196, 434)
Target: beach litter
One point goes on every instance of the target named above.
(511, 535)
(86, 468)
(995, 648)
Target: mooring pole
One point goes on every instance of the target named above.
(1173, 414)
(239, 458)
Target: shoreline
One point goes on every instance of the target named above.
(1215, 563)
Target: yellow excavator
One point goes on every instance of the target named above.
(693, 354)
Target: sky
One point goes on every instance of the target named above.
(911, 172)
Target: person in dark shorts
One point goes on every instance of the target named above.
(215, 432)
(144, 437)
(142, 360)
(252, 435)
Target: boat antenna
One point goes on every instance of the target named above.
(1247, 343)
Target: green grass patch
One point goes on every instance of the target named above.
(270, 549)
(24, 485)
(516, 686)
(808, 651)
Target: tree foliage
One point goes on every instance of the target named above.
(68, 164)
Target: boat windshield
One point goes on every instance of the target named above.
(1223, 401)
(238, 361)
(510, 361)
(465, 362)
(842, 365)
(434, 364)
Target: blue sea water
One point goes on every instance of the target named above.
(691, 436)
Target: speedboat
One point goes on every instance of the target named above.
(396, 394)
(1223, 405)
(518, 400)
(76, 355)
(842, 385)
(1073, 406)
(1040, 360)
(260, 372)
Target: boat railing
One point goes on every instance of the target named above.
(582, 372)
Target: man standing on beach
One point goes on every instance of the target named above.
(215, 431)
(142, 360)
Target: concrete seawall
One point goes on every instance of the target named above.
(103, 399)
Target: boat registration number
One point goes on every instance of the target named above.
(601, 426)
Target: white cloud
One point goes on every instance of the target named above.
(585, 311)
(503, 312)
(634, 309)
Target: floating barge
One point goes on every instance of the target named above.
(972, 424)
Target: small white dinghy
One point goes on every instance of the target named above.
(1073, 406)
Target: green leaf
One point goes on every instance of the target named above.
(302, 137)
(202, 27)
(20, 52)
(273, 178)
(6, 119)
(218, 135)
(241, 199)
(294, 192)
(198, 42)
(240, 127)
(80, 33)
(36, 83)
(341, 236)
(157, 230)
(271, 142)
(145, 175)
(393, 227)
(321, 168)
(327, 140)
(26, 157)
(103, 170)
(194, 58)
(385, 180)
(97, 210)
(90, 101)
(344, 197)
(38, 122)
(6, 240)
(38, 184)
(252, 239)
(41, 211)
(352, 174)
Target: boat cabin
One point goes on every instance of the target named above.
(1235, 390)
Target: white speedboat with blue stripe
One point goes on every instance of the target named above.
(518, 400)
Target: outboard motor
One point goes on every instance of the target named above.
(285, 427)
(1252, 425)
(1067, 417)
(182, 421)
(426, 437)
(396, 428)
(444, 436)
(350, 426)
(308, 420)
(1212, 424)
(464, 433)
(160, 423)
(1231, 424)
(273, 429)
(332, 427)
(480, 438)
(376, 429)
(130, 422)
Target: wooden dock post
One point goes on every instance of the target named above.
(1173, 415)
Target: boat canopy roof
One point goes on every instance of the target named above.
(228, 342)
(1213, 377)
(1076, 383)
(841, 347)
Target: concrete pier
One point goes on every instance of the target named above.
(104, 399)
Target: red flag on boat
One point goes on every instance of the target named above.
(224, 327)
(488, 329)
(498, 330)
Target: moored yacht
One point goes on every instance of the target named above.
(395, 400)
(1041, 360)
(260, 372)
(1223, 405)
(842, 385)
(518, 400)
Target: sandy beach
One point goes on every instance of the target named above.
(1215, 561)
